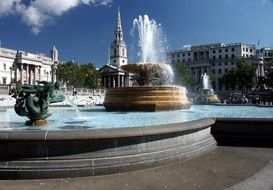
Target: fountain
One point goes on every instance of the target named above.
(206, 94)
(152, 90)
(99, 142)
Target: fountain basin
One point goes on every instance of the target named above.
(52, 154)
(144, 98)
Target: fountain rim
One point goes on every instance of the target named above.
(104, 133)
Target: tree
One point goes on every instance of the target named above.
(66, 73)
(230, 79)
(245, 74)
(78, 75)
(241, 76)
(182, 75)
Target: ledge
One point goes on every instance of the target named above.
(34, 135)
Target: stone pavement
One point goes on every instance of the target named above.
(225, 167)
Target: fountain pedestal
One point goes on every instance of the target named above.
(149, 99)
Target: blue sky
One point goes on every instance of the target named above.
(82, 30)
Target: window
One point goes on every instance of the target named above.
(114, 61)
(213, 64)
(232, 56)
(123, 61)
(178, 55)
(250, 50)
(189, 59)
(44, 72)
(243, 55)
(226, 63)
(5, 66)
(220, 57)
(220, 71)
(183, 55)
(123, 52)
(189, 54)
(232, 49)
(183, 60)
(226, 56)
(243, 49)
(219, 64)
(213, 51)
(226, 71)
(214, 57)
(246, 49)
(226, 50)
(178, 60)
(172, 55)
(232, 63)
(4, 80)
(246, 55)
(220, 51)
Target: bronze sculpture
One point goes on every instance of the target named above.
(33, 101)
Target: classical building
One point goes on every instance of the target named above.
(111, 73)
(216, 59)
(27, 68)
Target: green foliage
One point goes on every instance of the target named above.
(182, 75)
(78, 75)
(241, 76)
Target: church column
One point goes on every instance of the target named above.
(122, 80)
(109, 81)
(118, 80)
(104, 81)
(114, 80)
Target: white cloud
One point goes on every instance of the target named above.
(7, 6)
(40, 12)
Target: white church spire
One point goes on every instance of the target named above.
(118, 20)
(118, 55)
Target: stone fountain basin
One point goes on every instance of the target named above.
(146, 98)
(52, 154)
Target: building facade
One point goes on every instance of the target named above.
(216, 59)
(111, 73)
(27, 68)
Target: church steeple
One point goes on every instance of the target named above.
(118, 55)
(118, 20)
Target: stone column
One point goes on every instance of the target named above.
(40, 73)
(35, 74)
(27, 74)
(109, 81)
(118, 80)
(104, 81)
(114, 80)
(21, 73)
(122, 80)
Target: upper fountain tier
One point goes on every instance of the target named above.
(150, 73)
